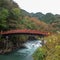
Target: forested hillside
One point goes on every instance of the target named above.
(9, 15)
(48, 18)
(13, 17)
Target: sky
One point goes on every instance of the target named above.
(44, 6)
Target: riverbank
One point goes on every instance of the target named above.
(9, 47)
(51, 50)
(7, 50)
(22, 53)
(13, 42)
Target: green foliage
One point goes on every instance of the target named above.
(9, 15)
(16, 12)
(38, 15)
(51, 50)
(39, 54)
(14, 21)
(52, 47)
(3, 18)
(14, 18)
(49, 18)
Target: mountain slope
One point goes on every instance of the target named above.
(50, 19)
(13, 17)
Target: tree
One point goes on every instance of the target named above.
(14, 20)
(16, 12)
(49, 18)
(3, 18)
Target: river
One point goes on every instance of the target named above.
(24, 53)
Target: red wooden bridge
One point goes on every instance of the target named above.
(29, 32)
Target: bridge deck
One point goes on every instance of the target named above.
(34, 32)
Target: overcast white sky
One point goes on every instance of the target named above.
(43, 6)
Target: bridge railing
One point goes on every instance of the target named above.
(24, 31)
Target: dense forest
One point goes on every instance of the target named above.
(13, 17)
(50, 19)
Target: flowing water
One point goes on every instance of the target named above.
(23, 54)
